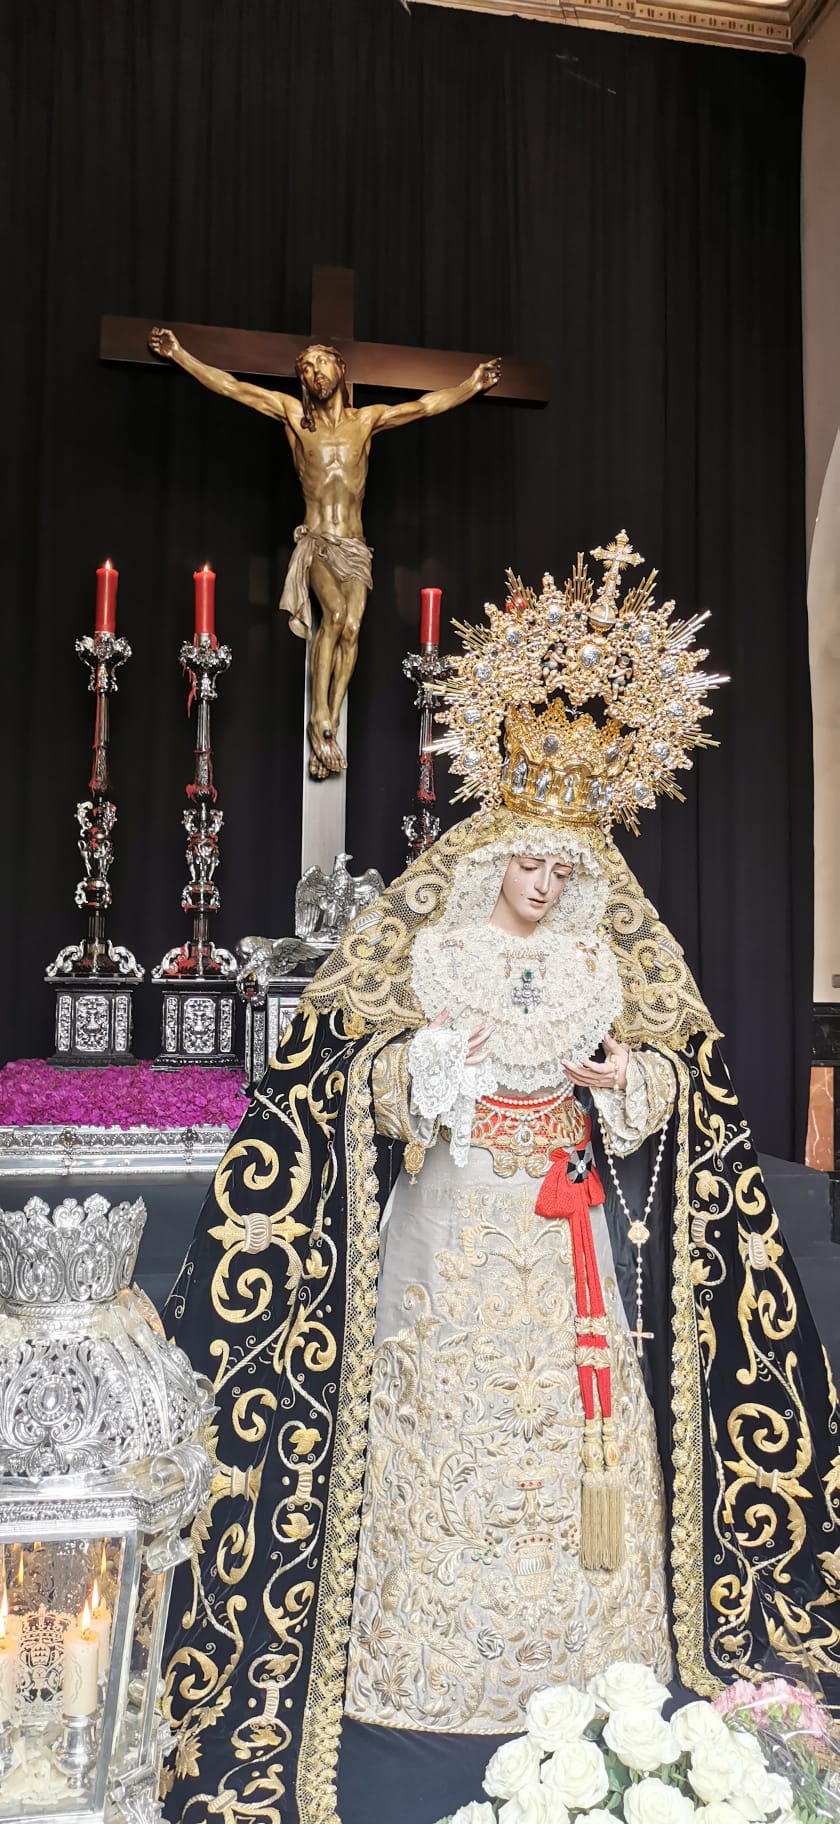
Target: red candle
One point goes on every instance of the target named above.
(430, 616)
(205, 601)
(107, 579)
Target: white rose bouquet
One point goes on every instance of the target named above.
(762, 1754)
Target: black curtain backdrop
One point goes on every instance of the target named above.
(623, 209)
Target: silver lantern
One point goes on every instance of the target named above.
(102, 1468)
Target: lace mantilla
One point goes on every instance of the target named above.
(550, 995)
(368, 975)
(478, 877)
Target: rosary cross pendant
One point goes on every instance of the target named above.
(640, 1337)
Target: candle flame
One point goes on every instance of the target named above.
(103, 1562)
(20, 1566)
(86, 1617)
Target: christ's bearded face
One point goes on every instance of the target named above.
(531, 886)
(320, 372)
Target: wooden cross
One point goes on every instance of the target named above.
(272, 352)
(374, 364)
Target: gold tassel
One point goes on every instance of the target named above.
(601, 1500)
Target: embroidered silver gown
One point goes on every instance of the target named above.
(470, 1593)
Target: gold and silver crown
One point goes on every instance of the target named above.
(518, 729)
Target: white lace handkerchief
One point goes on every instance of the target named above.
(444, 1087)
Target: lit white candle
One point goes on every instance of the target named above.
(79, 1695)
(100, 1622)
(11, 1625)
(9, 1661)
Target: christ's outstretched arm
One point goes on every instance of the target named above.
(275, 405)
(390, 417)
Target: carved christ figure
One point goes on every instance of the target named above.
(330, 443)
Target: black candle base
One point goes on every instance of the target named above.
(93, 1020)
(198, 1022)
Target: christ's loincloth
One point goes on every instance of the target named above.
(348, 559)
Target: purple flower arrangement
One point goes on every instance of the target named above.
(34, 1093)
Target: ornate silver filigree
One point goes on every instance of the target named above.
(92, 1023)
(96, 1025)
(422, 825)
(325, 904)
(199, 1024)
(86, 1383)
(199, 958)
(170, 1019)
(132, 1151)
(83, 1253)
(120, 960)
(103, 1462)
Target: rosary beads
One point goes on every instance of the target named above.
(638, 1230)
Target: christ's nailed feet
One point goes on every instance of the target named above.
(326, 756)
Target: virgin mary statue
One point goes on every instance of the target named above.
(514, 1378)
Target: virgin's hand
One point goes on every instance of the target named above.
(479, 1041)
(610, 1075)
(479, 1044)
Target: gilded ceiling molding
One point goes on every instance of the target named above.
(762, 24)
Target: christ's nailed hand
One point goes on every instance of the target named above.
(164, 342)
(487, 374)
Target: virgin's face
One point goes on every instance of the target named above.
(531, 886)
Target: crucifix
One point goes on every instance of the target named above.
(330, 443)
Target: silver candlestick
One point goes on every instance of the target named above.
(422, 825)
(76, 1752)
(94, 979)
(7, 1750)
(199, 977)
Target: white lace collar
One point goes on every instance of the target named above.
(551, 995)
